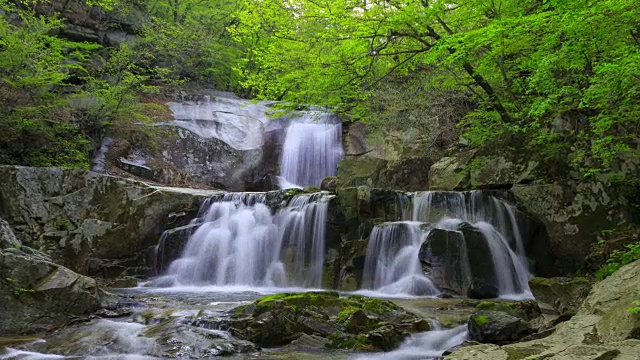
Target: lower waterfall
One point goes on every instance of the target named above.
(442, 245)
(392, 265)
(240, 242)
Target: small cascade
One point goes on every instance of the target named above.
(470, 206)
(312, 150)
(492, 217)
(462, 242)
(392, 265)
(427, 345)
(240, 242)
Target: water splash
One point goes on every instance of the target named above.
(312, 150)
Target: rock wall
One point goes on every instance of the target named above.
(94, 24)
(94, 224)
(37, 295)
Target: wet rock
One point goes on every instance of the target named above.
(348, 323)
(563, 294)
(446, 257)
(482, 290)
(497, 327)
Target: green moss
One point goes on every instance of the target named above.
(344, 315)
(305, 299)
(538, 281)
(359, 342)
(482, 320)
(62, 225)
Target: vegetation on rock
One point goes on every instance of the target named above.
(352, 322)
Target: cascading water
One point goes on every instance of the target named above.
(392, 265)
(428, 345)
(442, 227)
(240, 242)
(312, 150)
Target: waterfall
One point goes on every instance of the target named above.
(240, 242)
(392, 265)
(312, 150)
(442, 246)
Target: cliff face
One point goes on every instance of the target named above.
(94, 224)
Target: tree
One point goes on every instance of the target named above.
(553, 71)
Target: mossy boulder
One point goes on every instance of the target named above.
(352, 322)
(497, 327)
(503, 322)
(360, 171)
(329, 183)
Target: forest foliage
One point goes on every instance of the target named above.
(560, 76)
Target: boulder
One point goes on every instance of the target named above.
(479, 289)
(573, 214)
(450, 173)
(398, 160)
(603, 328)
(353, 322)
(563, 294)
(94, 224)
(497, 327)
(7, 237)
(503, 322)
(37, 295)
(93, 23)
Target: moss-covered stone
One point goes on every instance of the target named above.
(352, 322)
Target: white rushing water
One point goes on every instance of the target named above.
(240, 242)
(312, 150)
(392, 264)
(427, 345)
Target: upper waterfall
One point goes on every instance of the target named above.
(312, 150)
